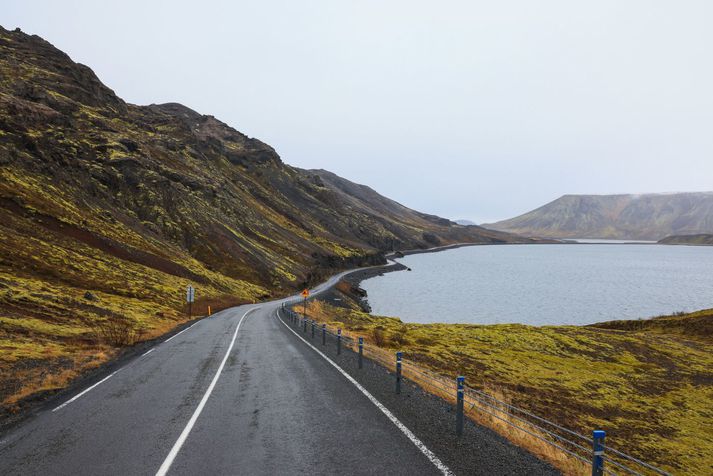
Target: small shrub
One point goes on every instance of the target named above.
(398, 339)
(379, 337)
(429, 341)
(118, 331)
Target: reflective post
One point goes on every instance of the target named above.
(598, 437)
(398, 371)
(324, 334)
(459, 405)
(339, 341)
(361, 352)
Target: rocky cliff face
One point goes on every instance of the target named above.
(633, 217)
(109, 210)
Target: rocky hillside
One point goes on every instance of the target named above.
(701, 239)
(108, 210)
(627, 217)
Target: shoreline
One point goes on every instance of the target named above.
(355, 277)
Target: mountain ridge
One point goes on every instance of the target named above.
(651, 216)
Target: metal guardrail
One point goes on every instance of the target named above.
(588, 450)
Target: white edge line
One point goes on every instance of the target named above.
(112, 374)
(84, 391)
(189, 426)
(409, 434)
(179, 333)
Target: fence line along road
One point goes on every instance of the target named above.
(590, 451)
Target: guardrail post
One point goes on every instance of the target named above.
(398, 372)
(304, 324)
(598, 437)
(312, 329)
(459, 405)
(339, 341)
(324, 334)
(361, 352)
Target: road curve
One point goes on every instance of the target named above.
(236, 393)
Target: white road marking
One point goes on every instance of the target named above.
(184, 434)
(112, 374)
(84, 391)
(179, 333)
(409, 434)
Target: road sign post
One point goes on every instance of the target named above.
(190, 297)
(305, 295)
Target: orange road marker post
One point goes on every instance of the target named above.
(305, 295)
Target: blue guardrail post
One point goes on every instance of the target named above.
(459, 405)
(324, 334)
(398, 371)
(598, 437)
(361, 352)
(339, 341)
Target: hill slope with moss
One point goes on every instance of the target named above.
(108, 210)
(700, 239)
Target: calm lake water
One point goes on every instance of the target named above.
(546, 284)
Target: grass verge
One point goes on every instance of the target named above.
(649, 383)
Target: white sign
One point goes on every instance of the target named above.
(190, 294)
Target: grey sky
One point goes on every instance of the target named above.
(479, 110)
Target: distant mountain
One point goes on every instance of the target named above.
(466, 222)
(701, 239)
(626, 217)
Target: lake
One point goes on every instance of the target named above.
(545, 284)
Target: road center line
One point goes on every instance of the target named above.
(184, 434)
(409, 434)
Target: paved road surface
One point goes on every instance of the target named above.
(237, 393)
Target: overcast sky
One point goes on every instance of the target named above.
(477, 110)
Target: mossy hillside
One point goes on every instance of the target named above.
(651, 390)
(108, 210)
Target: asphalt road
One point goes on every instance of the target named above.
(241, 393)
